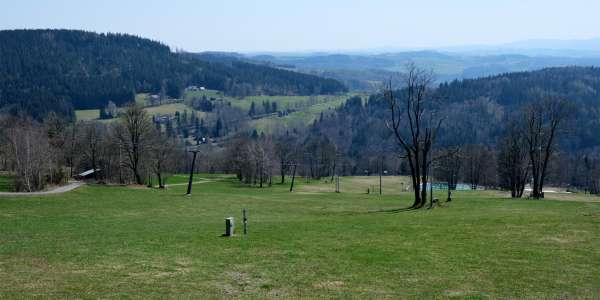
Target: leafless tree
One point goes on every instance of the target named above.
(512, 161)
(133, 133)
(285, 151)
(71, 146)
(55, 157)
(414, 124)
(544, 120)
(478, 164)
(90, 144)
(27, 146)
(447, 167)
(163, 153)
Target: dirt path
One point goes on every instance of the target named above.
(61, 189)
(185, 183)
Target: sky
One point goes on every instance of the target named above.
(312, 25)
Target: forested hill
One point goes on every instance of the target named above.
(477, 111)
(580, 84)
(481, 106)
(59, 70)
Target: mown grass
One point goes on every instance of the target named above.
(119, 242)
(171, 109)
(87, 114)
(6, 183)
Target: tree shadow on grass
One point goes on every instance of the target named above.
(394, 210)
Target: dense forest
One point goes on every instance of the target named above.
(476, 110)
(62, 70)
(486, 102)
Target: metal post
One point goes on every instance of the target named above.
(245, 221)
(195, 151)
(189, 188)
(293, 177)
(229, 226)
(380, 171)
(430, 180)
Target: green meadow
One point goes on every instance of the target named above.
(137, 242)
(305, 109)
(6, 182)
(87, 114)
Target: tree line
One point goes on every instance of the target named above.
(414, 129)
(130, 150)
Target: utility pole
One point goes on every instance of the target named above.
(293, 177)
(245, 220)
(195, 151)
(380, 174)
(430, 180)
(335, 172)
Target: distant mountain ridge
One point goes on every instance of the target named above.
(447, 66)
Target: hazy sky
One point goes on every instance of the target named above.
(279, 25)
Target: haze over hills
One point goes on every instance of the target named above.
(366, 71)
(531, 47)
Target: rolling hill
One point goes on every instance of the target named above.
(365, 71)
(476, 111)
(62, 70)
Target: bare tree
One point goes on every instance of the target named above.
(285, 150)
(512, 161)
(447, 167)
(89, 145)
(543, 122)
(133, 133)
(55, 130)
(478, 164)
(414, 125)
(27, 147)
(163, 152)
(71, 145)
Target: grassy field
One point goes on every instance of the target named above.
(6, 183)
(300, 118)
(170, 109)
(120, 242)
(87, 114)
(140, 99)
(94, 114)
(307, 108)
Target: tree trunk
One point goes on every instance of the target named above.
(138, 178)
(161, 184)
(282, 167)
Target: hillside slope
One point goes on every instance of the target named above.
(58, 70)
(477, 110)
